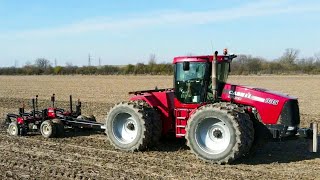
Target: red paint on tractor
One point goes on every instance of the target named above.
(269, 104)
(163, 101)
(182, 113)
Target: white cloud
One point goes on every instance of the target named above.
(257, 9)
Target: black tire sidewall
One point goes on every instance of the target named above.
(59, 127)
(109, 127)
(198, 118)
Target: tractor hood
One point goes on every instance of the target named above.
(239, 92)
(263, 100)
(270, 92)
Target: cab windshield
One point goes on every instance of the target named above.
(190, 84)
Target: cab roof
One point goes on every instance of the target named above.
(204, 58)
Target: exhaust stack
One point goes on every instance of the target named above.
(214, 75)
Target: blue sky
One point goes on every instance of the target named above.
(123, 31)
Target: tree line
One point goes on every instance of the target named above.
(43, 66)
(288, 63)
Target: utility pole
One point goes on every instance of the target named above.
(89, 60)
(99, 62)
(16, 63)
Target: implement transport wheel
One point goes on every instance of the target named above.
(220, 133)
(48, 129)
(59, 127)
(13, 129)
(129, 127)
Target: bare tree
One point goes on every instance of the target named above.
(317, 56)
(69, 64)
(16, 63)
(289, 56)
(28, 63)
(152, 59)
(317, 59)
(42, 63)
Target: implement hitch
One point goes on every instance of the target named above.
(282, 133)
(311, 134)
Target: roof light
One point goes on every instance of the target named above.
(225, 51)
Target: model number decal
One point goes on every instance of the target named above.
(271, 101)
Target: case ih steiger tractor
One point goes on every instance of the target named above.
(221, 122)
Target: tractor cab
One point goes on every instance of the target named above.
(200, 79)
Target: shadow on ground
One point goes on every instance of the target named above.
(170, 144)
(78, 132)
(281, 152)
(273, 152)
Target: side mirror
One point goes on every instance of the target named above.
(232, 56)
(186, 66)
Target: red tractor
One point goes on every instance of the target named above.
(220, 121)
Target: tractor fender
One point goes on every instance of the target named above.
(163, 103)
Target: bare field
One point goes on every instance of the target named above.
(89, 156)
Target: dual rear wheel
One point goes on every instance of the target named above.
(220, 133)
(133, 126)
(52, 128)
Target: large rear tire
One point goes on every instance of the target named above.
(219, 133)
(129, 127)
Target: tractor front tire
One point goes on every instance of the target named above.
(13, 129)
(219, 133)
(129, 127)
(48, 129)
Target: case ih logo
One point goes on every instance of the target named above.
(240, 94)
(252, 97)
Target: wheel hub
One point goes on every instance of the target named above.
(217, 133)
(46, 129)
(212, 135)
(13, 129)
(125, 128)
(130, 126)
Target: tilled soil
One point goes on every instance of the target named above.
(88, 155)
